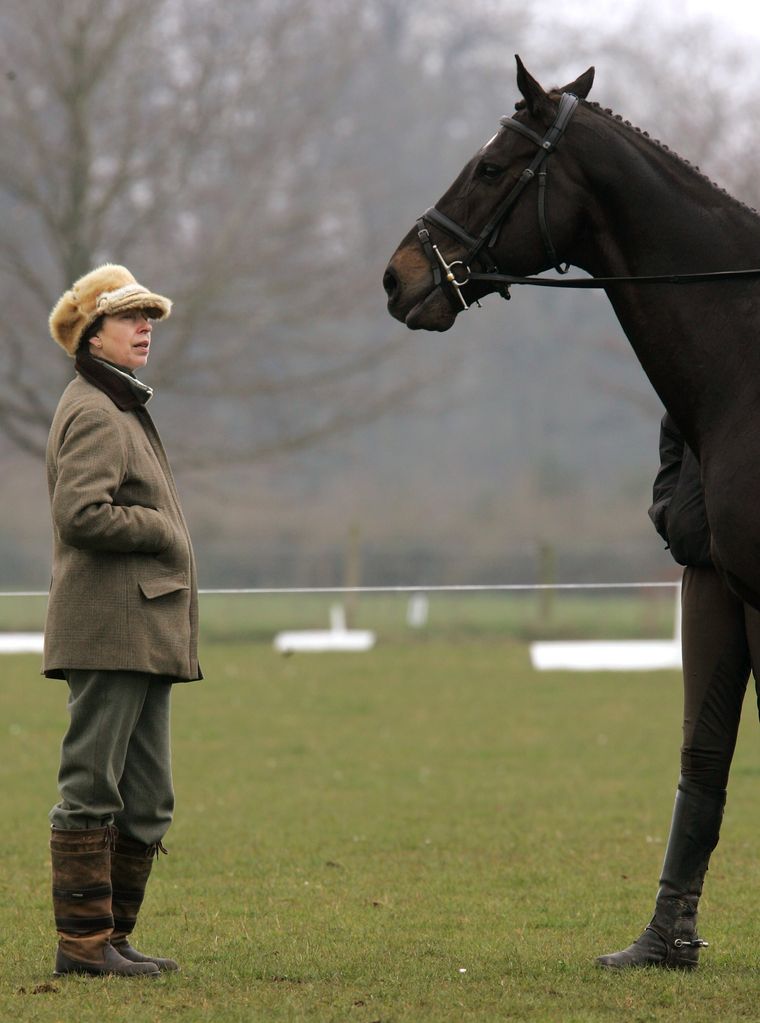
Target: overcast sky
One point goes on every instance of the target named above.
(740, 17)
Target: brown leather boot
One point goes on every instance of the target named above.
(81, 862)
(670, 940)
(131, 864)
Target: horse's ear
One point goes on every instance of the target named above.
(581, 87)
(535, 98)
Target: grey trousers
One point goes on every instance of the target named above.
(116, 755)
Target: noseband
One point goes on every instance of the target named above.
(479, 247)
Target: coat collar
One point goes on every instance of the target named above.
(124, 390)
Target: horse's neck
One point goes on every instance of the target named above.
(654, 214)
(653, 209)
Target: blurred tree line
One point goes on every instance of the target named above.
(258, 161)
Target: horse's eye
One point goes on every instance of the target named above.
(490, 171)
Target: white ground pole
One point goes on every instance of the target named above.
(555, 656)
(337, 637)
(614, 655)
(20, 642)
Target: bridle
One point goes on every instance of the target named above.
(479, 247)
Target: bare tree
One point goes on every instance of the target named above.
(195, 143)
(258, 160)
(687, 83)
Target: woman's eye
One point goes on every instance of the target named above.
(490, 171)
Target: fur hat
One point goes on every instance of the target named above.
(105, 291)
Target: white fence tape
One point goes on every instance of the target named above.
(453, 588)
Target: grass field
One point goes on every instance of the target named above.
(428, 832)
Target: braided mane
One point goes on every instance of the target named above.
(607, 112)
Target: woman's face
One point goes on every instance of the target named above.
(123, 339)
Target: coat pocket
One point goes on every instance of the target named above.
(159, 587)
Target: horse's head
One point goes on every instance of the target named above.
(487, 219)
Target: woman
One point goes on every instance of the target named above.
(122, 623)
(721, 644)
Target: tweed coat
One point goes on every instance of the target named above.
(123, 593)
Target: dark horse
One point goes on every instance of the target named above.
(618, 205)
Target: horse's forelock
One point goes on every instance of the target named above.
(553, 94)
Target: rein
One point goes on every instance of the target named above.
(603, 282)
(479, 246)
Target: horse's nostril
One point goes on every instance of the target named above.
(390, 283)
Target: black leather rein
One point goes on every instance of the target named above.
(603, 282)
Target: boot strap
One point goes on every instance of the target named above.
(694, 942)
